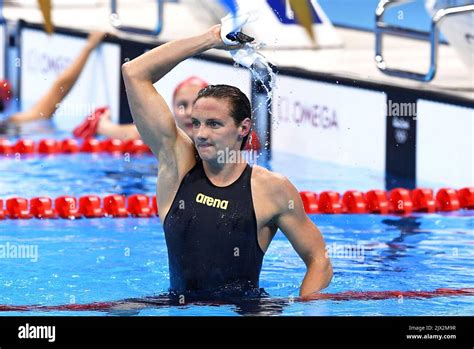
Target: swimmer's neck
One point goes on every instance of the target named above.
(223, 174)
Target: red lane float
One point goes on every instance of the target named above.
(42, 207)
(24, 146)
(6, 147)
(17, 208)
(114, 205)
(377, 201)
(447, 200)
(138, 205)
(136, 146)
(66, 206)
(329, 202)
(466, 198)
(48, 146)
(91, 145)
(154, 205)
(90, 206)
(423, 200)
(310, 201)
(71, 145)
(2, 212)
(353, 201)
(113, 145)
(400, 201)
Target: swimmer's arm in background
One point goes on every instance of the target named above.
(47, 105)
(305, 238)
(152, 116)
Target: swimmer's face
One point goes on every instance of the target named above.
(183, 106)
(214, 130)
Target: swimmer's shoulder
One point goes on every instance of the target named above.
(262, 175)
(273, 185)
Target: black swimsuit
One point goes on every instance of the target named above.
(211, 235)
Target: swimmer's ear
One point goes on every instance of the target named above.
(246, 126)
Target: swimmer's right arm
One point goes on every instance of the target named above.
(152, 116)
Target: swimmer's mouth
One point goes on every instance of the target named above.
(204, 145)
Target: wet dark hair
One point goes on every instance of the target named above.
(240, 108)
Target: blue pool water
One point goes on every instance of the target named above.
(103, 260)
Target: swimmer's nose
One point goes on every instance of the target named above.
(201, 139)
(201, 134)
(188, 110)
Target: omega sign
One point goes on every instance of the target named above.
(318, 116)
(40, 61)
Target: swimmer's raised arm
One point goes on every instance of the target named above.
(152, 116)
(47, 105)
(305, 238)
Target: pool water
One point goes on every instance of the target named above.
(107, 260)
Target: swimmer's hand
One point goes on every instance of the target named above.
(215, 36)
(95, 38)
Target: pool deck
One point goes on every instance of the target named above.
(355, 60)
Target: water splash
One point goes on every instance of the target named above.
(263, 78)
(263, 73)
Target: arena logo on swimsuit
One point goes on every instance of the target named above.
(212, 202)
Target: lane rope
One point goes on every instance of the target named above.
(72, 146)
(397, 201)
(168, 301)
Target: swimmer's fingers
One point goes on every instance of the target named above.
(96, 37)
(126, 309)
(215, 33)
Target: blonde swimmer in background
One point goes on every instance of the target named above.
(44, 109)
(183, 98)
